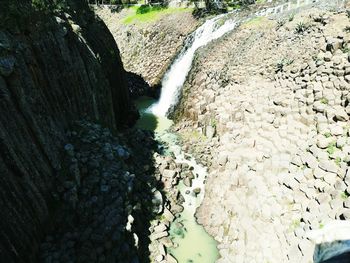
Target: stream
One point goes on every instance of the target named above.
(193, 244)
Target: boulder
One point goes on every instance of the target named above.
(157, 202)
(169, 173)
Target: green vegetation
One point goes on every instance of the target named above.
(346, 49)
(331, 148)
(327, 134)
(147, 13)
(344, 195)
(301, 28)
(348, 13)
(47, 5)
(213, 122)
(233, 6)
(324, 101)
(281, 64)
(347, 29)
(338, 161)
(291, 17)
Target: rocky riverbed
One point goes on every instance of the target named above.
(272, 97)
(122, 199)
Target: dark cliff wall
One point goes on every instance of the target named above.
(55, 68)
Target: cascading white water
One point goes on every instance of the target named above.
(175, 77)
(212, 29)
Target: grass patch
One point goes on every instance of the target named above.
(338, 161)
(146, 14)
(324, 101)
(255, 21)
(331, 148)
(344, 195)
(327, 135)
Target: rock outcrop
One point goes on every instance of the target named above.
(272, 100)
(55, 68)
(148, 48)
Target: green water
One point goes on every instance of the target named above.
(149, 121)
(193, 243)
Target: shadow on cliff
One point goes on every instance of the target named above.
(147, 202)
(138, 86)
(57, 68)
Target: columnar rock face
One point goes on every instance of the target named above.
(54, 70)
(148, 48)
(274, 103)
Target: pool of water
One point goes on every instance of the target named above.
(148, 121)
(194, 244)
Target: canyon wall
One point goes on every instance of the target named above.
(148, 47)
(55, 68)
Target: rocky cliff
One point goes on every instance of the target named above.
(270, 107)
(55, 68)
(148, 48)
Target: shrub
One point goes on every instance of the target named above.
(144, 9)
(47, 5)
(291, 17)
(281, 64)
(301, 28)
(345, 49)
(280, 23)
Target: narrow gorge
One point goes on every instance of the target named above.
(199, 132)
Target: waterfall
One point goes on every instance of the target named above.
(212, 29)
(175, 77)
